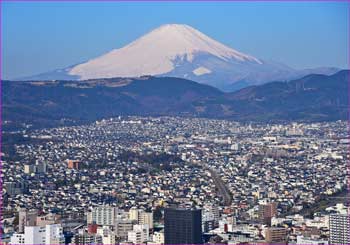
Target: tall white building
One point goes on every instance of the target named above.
(139, 234)
(339, 229)
(123, 226)
(108, 236)
(134, 213)
(49, 234)
(103, 215)
(54, 234)
(141, 217)
(212, 210)
(158, 237)
(208, 222)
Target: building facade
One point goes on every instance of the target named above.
(49, 234)
(266, 212)
(182, 226)
(139, 234)
(276, 235)
(103, 215)
(339, 229)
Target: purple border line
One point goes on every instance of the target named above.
(1, 172)
(165, 1)
(348, 121)
(174, 1)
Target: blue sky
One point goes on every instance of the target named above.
(42, 36)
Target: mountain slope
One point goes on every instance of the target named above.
(311, 98)
(48, 103)
(180, 51)
(154, 54)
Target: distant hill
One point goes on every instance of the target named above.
(311, 98)
(51, 103)
(47, 103)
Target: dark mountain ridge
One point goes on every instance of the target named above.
(311, 98)
(51, 103)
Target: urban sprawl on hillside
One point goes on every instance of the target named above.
(172, 180)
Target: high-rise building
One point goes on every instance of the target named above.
(108, 236)
(103, 215)
(134, 213)
(54, 234)
(139, 234)
(182, 226)
(141, 216)
(212, 210)
(339, 229)
(123, 226)
(26, 218)
(266, 212)
(49, 234)
(207, 225)
(276, 235)
(210, 217)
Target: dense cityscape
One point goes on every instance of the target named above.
(173, 180)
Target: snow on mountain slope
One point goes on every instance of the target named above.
(155, 52)
(201, 71)
(181, 51)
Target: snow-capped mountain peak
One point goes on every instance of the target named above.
(155, 52)
(181, 51)
(180, 39)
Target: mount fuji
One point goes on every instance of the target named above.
(181, 51)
